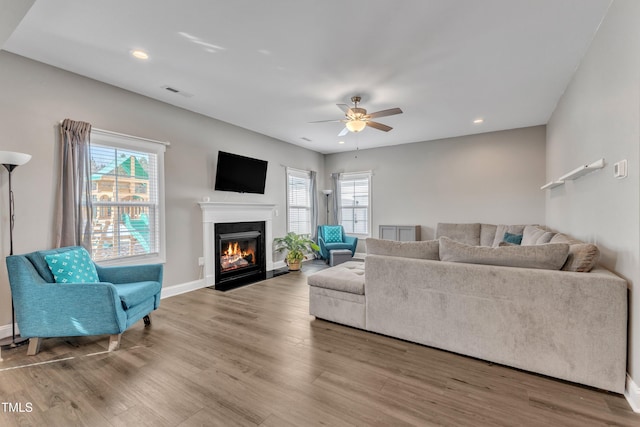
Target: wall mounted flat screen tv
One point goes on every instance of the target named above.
(240, 174)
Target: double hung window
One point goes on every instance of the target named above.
(354, 202)
(127, 177)
(299, 201)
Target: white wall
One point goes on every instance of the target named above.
(599, 117)
(491, 177)
(35, 97)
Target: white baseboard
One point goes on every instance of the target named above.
(632, 394)
(183, 288)
(6, 332)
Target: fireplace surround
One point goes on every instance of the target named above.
(215, 213)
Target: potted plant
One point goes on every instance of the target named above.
(297, 246)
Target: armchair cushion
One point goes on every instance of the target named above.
(333, 234)
(132, 294)
(74, 266)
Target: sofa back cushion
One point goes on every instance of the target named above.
(487, 234)
(463, 233)
(548, 257)
(428, 249)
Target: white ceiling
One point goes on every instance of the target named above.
(273, 66)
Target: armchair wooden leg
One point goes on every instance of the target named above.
(114, 342)
(147, 320)
(34, 346)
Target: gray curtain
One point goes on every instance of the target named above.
(336, 196)
(314, 205)
(73, 207)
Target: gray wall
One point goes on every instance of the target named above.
(492, 177)
(35, 97)
(599, 117)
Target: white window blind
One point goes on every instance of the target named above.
(127, 177)
(298, 201)
(354, 202)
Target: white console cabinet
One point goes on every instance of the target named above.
(403, 233)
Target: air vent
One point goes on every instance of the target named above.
(305, 138)
(177, 91)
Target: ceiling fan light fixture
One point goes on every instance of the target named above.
(355, 125)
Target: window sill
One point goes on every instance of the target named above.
(133, 260)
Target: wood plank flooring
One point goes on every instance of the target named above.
(254, 357)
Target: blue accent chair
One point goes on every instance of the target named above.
(124, 295)
(346, 242)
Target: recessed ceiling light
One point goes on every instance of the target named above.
(478, 121)
(340, 142)
(140, 54)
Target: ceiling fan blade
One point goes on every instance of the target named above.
(383, 113)
(343, 132)
(344, 107)
(327, 121)
(379, 126)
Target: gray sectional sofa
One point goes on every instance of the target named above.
(542, 305)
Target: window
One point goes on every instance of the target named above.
(354, 202)
(298, 201)
(127, 175)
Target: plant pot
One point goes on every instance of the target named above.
(294, 265)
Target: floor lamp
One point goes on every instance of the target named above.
(327, 193)
(11, 160)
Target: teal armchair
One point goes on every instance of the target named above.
(332, 237)
(44, 308)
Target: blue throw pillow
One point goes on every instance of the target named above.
(333, 234)
(516, 239)
(74, 266)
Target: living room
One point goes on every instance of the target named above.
(479, 176)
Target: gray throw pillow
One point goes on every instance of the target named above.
(427, 249)
(548, 257)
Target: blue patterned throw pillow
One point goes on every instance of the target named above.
(515, 239)
(74, 266)
(333, 234)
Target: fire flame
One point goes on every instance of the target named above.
(235, 257)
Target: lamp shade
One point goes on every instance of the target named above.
(14, 158)
(355, 125)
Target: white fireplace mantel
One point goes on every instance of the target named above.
(220, 212)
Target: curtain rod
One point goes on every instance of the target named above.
(124, 135)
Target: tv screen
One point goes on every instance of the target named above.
(240, 174)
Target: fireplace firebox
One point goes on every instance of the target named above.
(239, 254)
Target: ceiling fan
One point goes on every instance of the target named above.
(356, 118)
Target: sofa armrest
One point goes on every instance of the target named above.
(352, 240)
(130, 273)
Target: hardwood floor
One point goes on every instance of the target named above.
(254, 356)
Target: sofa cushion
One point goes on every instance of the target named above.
(582, 256)
(427, 249)
(463, 233)
(501, 229)
(132, 294)
(73, 266)
(549, 256)
(347, 277)
(332, 234)
(487, 234)
(515, 239)
(536, 235)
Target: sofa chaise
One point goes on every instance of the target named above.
(543, 306)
